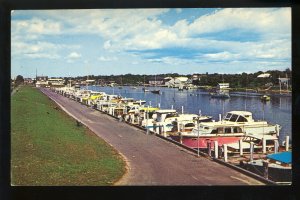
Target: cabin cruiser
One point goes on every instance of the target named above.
(235, 126)
(209, 131)
(249, 125)
(165, 118)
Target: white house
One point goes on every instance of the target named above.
(56, 82)
(265, 75)
(177, 81)
(41, 81)
(223, 86)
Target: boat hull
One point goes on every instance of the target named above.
(277, 174)
(192, 142)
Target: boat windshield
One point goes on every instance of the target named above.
(172, 115)
(228, 116)
(233, 118)
(242, 119)
(189, 125)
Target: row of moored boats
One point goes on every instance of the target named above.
(191, 130)
(236, 128)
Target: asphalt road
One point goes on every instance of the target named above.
(150, 159)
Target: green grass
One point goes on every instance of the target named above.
(48, 148)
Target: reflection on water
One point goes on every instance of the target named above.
(277, 110)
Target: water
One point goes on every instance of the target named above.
(276, 111)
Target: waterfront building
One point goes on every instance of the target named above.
(177, 82)
(28, 81)
(41, 81)
(222, 86)
(156, 81)
(56, 82)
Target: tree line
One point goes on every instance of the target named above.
(243, 80)
(249, 80)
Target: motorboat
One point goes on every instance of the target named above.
(249, 125)
(155, 91)
(235, 126)
(145, 90)
(265, 98)
(166, 117)
(206, 132)
(276, 167)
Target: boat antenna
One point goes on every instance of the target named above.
(263, 107)
(246, 92)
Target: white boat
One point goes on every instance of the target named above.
(145, 90)
(203, 132)
(249, 125)
(235, 126)
(165, 118)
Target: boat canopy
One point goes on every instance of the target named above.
(148, 109)
(283, 157)
(166, 111)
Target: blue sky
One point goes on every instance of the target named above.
(62, 43)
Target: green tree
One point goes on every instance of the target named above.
(19, 80)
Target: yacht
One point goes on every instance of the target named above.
(235, 126)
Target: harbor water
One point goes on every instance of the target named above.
(276, 111)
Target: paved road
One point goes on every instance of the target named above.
(151, 160)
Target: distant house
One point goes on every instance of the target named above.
(56, 82)
(28, 81)
(41, 81)
(90, 82)
(264, 75)
(156, 81)
(221, 86)
(177, 81)
(196, 77)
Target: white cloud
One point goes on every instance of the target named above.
(261, 20)
(107, 58)
(35, 50)
(221, 56)
(36, 26)
(74, 55)
(120, 30)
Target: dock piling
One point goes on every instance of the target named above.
(276, 146)
(287, 138)
(225, 152)
(209, 148)
(264, 142)
(266, 171)
(251, 151)
(241, 147)
(216, 149)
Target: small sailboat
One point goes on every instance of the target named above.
(120, 87)
(144, 88)
(155, 91)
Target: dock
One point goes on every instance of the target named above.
(151, 160)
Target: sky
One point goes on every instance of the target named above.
(62, 43)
